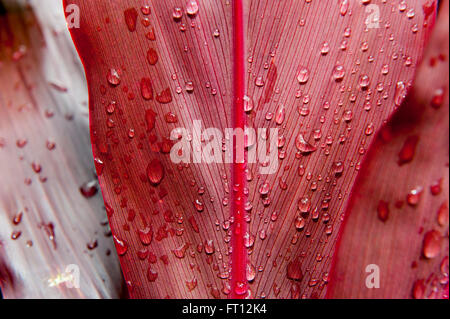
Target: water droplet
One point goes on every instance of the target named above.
(192, 8)
(152, 275)
(406, 154)
(303, 76)
(15, 235)
(155, 172)
(192, 284)
(209, 247)
(304, 205)
(164, 97)
(400, 93)
(343, 8)
(338, 73)
(152, 56)
(131, 16)
(325, 48)
(264, 188)
(259, 81)
(294, 271)
(89, 189)
(121, 246)
(303, 146)
(438, 98)
(281, 113)
(199, 205)
(413, 197)
(146, 236)
(364, 81)
(113, 77)
(338, 168)
(177, 13)
(432, 243)
(189, 87)
(250, 272)
(383, 210)
(442, 215)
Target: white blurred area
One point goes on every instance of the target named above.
(44, 103)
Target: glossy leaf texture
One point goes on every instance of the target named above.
(398, 216)
(325, 74)
(54, 233)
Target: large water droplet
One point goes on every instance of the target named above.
(303, 146)
(192, 8)
(432, 243)
(155, 172)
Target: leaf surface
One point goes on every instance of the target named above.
(313, 69)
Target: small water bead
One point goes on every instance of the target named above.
(198, 204)
(348, 115)
(216, 33)
(325, 48)
(152, 56)
(17, 218)
(364, 81)
(303, 76)
(411, 13)
(121, 246)
(294, 271)
(192, 8)
(438, 98)
(259, 81)
(338, 73)
(152, 275)
(249, 240)
(113, 77)
(408, 61)
(343, 7)
(155, 172)
(151, 34)
(209, 247)
(111, 107)
(300, 223)
(364, 46)
(443, 215)
(304, 205)
(338, 168)
(131, 16)
(189, 87)
(303, 146)
(145, 9)
(250, 272)
(89, 189)
(432, 244)
(400, 93)
(369, 129)
(413, 197)
(177, 13)
(264, 189)
(191, 284)
(280, 115)
(15, 235)
(383, 210)
(347, 32)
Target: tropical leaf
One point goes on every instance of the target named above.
(52, 237)
(327, 74)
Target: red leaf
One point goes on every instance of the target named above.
(410, 246)
(316, 69)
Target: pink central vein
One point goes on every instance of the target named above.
(239, 253)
